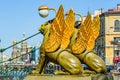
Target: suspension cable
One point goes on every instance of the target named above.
(2, 50)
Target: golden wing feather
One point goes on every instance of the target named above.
(87, 35)
(68, 29)
(94, 32)
(83, 36)
(54, 40)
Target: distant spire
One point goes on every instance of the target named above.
(24, 35)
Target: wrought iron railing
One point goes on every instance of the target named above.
(14, 73)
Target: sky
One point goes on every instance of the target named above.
(21, 16)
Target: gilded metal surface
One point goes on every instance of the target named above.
(60, 31)
(87, 34)
(43, 7)
(15, 41)
(62, 42)
(56, 31)
(68, 29)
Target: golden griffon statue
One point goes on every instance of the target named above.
(68, 45)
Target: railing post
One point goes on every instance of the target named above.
(21, 77)
(1, 77)
(11, 77)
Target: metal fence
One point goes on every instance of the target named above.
(14, 73)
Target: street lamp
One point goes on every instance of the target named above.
(43, 10)
(79, 16)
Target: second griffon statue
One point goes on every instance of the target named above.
(69, 45)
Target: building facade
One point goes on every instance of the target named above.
(108, 42)
(23, 49)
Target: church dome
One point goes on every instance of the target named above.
(15, 41)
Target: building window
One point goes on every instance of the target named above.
(117, 25)
(116, 46)
(117, 40)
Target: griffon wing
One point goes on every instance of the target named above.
(87, 35)
(94, 32)
(56, 31)
(68, 29)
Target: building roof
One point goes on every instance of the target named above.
(112, 12)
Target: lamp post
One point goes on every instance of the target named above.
(80, 16)
(43, 12)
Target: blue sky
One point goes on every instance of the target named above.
(21, 16)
